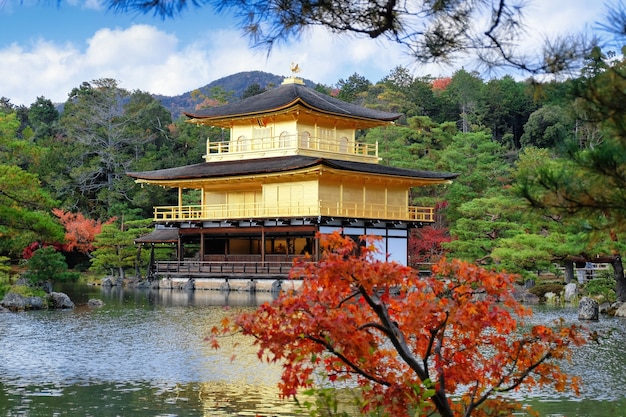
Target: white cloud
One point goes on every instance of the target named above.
(88, 4)
(44, 67)
(154, 60)
(140, 57)
(146, 58)
(139, 45)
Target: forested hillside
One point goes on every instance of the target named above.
(232, 87)
(541, 164)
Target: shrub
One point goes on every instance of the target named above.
(540, 290)
(5, 276)
(47, 264)
(603, 288)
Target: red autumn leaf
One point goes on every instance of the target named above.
(425, 245)
(444, 344)
(440, 84)
(80, 231)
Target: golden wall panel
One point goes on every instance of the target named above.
(397, 196)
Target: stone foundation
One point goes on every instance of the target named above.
(227, 284)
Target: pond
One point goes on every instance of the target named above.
(143, 354)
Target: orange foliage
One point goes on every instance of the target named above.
(440, 84)
(80, 232)
(207, 103)
(449, 344)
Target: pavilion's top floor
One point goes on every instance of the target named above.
(290, 120)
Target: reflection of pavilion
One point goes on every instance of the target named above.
(291, 168)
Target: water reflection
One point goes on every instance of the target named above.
(144, 354)
(166, 298)
(601, 364)
(143, 400)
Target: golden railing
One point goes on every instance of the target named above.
(323, 208)
(341, 146)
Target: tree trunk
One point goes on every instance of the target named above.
(620, 280)
(138, 262)
(569, 270)
(618, 269)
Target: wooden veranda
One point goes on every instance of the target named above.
(222, 269)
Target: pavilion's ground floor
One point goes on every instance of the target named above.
(262, 249)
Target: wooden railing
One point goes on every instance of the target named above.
(323, 208)
(228, 268)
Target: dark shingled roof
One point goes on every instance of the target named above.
(289, 95)
(279, 164)
(166, 235)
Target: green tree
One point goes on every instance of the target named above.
(252, 90)
(578, 193)
(24, 205)
(116, 252)
(5, 275)
(43, 118)
(508, 104)
(464, 90)
(501, 231)
(16, 149)
(417, 92)
(482, 165)
(383, 97)
(48, 265)
(9, 143)
(24, 212)
(107, 131)
(183, 144)
(482, 224)
(216, 96)
(350, 88)
(548, 127)
(588, 184)
(399, 78)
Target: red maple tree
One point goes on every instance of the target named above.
(449, 344)
(441, 84)
(80, 231)
(425, 245)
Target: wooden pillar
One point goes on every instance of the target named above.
(151, 264)
(201, 246)
(180, 202)
(316, 249)
(262, 243)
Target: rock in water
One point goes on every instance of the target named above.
(588, 309)
(571, 291)
(189, 285)
(620, 310)
(94, 302)
(59, 300)
(17, 302)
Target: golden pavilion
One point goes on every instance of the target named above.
(291, 168)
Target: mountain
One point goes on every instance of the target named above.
(235, 84)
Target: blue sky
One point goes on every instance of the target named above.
(47, 48)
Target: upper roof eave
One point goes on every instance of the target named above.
(212, 170)
(287, 96)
